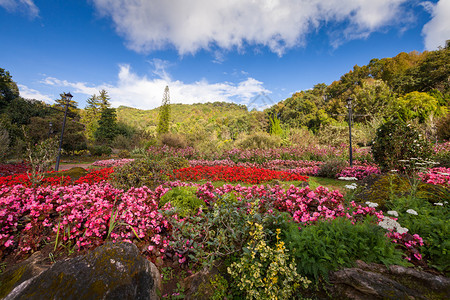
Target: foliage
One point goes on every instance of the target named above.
(395, 141)
(216, 288)
(259, 140)
(8, 89)
(275, 127)
(4, 144)
(107, 125)
(431, 222)
(332, 168)
(174, 163)
(164, 113)
(419, 106)
(264, 272)
(41, 156)
(99, 150)
(337, 243)
(124, 154)
(443, 128)
(184, 199)
(173, 140)
(140, 172)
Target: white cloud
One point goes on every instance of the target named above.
(145, 93)
(26, 6)
(232, 24)
(437, 31)
(28, 93)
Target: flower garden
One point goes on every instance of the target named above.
(233, 211)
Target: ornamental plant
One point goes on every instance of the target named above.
(184, 199)
(332, 244)
(396, 141)
(265, 272)
(140, 172)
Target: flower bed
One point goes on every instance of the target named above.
(234, 174)
(112, 162)
(437, 176)
(11, 169)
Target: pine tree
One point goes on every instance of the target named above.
(164, 113)
(93, 111)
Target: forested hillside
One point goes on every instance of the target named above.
(414, 87)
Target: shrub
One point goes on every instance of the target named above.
(124, 154)
(431, 223)
(140, 172)
(395, 141)
(4, 144)
(184, 199)
(175, 163)
(331, 168)
(99, 150)
(265, 272)
(259, 140)
(330, 245)
(121, 142)
(443, 128)
(173, 140)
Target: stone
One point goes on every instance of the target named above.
(375, 281)
(111, 271)
(29, 268)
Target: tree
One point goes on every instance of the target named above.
(372, 99)
(416, 105)
(164, 113)
(8, 89)
(72, 112)
(107, 125)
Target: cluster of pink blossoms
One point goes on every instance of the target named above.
(437, 176)
(112, 162)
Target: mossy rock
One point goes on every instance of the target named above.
(112, 271)
(74, 173)
(21, 272)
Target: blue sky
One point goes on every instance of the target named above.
(249, 52)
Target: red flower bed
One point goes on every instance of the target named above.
(90, 178)
(11, 169)
(234, 174)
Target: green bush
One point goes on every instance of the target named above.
(443, 128)
(140, 172)
(395, 141)
(431, 223)
(174, 163)
(173, 140)
(330, 245)
(124, 154)
(99, 150)
(331, 168)
(184, 199)
(259, 140)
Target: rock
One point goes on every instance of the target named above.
(23, 271)
(374, 281)
(111, 271)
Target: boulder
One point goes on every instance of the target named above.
(111, 271)
(374, 281)
(29, 268)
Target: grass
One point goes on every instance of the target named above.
(313, 182)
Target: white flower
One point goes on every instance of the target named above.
(351, 186)
(439, 203)
(390, 224)
(402, 230)
(392, 213)
(371, 204)
(412, 212)
(348, 178)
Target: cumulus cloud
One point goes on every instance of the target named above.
(437, 31)
(142, 92)
(232, 24)
(26, 6)
(29, 93)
